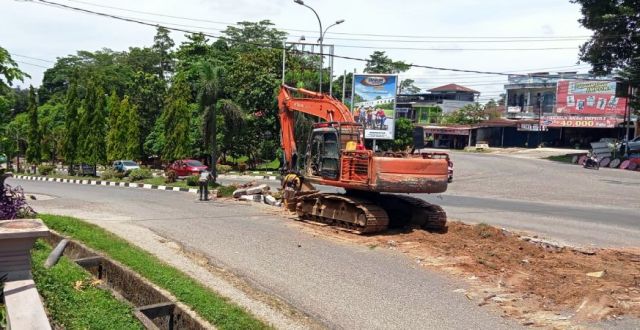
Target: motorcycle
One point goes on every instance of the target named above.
(592, 162)
(450, 172)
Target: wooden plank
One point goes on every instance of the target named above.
(89, 261)
(157, 310)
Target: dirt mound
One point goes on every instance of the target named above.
(533, 281)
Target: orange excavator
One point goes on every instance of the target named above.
(335, 156)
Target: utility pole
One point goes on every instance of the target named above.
(344, 84)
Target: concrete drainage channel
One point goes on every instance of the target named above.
(154, 307)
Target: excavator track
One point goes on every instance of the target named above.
(404, 210)
(355, 214)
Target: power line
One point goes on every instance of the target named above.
(32, 58)
(339, 33)
(458, 49)
(266, 46)
(32, 64)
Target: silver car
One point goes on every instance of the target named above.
(125, 165)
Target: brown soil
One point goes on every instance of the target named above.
(536, 283)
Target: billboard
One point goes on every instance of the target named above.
(575, 97)
(374, 101)
(581, 121)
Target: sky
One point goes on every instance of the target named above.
(494, 35)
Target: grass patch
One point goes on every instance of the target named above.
(208, 304)
(72, 299)
(561, 158)
(272, 165)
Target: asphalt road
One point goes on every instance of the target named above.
(341, 285)
(348, 286)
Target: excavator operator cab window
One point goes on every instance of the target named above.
(323, 155)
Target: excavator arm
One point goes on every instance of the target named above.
(312, 103)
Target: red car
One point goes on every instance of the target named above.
(187, 167)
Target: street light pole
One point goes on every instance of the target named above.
(320, 39)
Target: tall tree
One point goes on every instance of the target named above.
(34, 138)
(132, 125)
(210, 87)
(94, 126)
(176, 118)
(113, 139)
(379, 62)
(71, 122)
(162, 45)
(616, 36)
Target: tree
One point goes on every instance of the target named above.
(51, 117)
(614, 44)
(114, 143)
(9, 71)
(176, 119)
(34, 138)
(132, 125)
(380, 63)
(469, 114)
(71, 122)
(162, 44)
(93, 126)
(209, 90)
(407, 86)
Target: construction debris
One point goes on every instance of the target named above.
(260, 193)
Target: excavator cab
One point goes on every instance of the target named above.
(326, 143)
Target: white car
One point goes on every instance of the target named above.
(125, 165)
(634, 144)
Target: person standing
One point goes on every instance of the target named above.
(203, 182)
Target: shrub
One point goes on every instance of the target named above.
(192, 181)
(108, 174)
(13, 204)
(223, 168)
(46, 169)
(171, 176)
(139, 174)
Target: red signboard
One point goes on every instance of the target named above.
(576, 97)
(581, 121)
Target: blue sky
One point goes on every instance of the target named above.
(461, 34)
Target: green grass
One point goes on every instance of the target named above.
(86, 308)
(208, 304)
(561, 158)
(274, 164)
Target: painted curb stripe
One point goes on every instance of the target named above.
(107, 183)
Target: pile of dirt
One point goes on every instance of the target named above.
(536, 283)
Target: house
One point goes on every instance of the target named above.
(425, 108)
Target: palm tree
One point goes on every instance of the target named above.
(210, 85)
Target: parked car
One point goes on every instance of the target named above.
(634, 145)
(125, 165)
(187, 167)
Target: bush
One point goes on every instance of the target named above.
(46, 169)
(192, 181)
(13, 204)
(222, 168)
(139, 174)
(171, 176)
(108, 174)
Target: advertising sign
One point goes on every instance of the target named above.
(589, 98)
(581, 121)
(529, 127)
(374, 103)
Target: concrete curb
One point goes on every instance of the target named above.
(106, 183)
